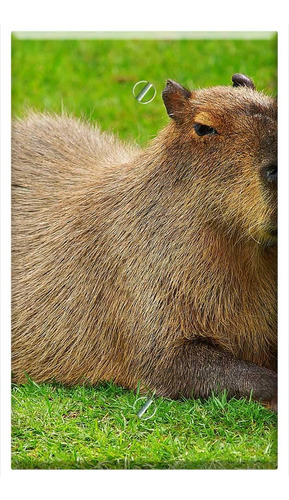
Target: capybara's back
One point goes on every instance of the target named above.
(155, 266)
(60, 167)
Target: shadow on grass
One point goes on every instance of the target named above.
(131, 464)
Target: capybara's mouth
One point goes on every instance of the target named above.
(271, 235)
(271, 230)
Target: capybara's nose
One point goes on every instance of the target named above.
(269, 173)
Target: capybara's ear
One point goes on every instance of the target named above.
(240, 80)
(175, 97)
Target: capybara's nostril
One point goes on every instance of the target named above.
(269, 173)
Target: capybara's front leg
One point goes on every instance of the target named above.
(198, 369)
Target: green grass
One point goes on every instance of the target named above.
(57, 427)
(83, 428)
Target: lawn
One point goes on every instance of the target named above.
(97, 427)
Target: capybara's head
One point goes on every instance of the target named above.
(227, 139)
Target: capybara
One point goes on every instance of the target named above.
(154, 267)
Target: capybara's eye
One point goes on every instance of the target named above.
(204, 129)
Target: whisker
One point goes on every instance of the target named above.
(252, 237)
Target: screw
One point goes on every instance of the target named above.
(144, 90)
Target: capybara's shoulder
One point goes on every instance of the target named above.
(62, 145)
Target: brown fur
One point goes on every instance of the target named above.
(156, 266)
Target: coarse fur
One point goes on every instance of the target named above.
(155, 265)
